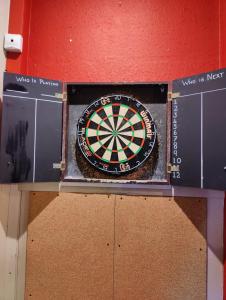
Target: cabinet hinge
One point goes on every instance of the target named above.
(59, 95)
(172, 168)
(61, 165)
(172, 96)
(62, 96)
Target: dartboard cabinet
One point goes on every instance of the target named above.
(155, 132)
(112, 132)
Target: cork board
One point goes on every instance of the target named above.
(115, 247)
(70, 247)
(161, 248)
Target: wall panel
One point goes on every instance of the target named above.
(160, 249)
(159, 246)
(70, 246)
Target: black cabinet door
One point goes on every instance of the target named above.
(199, 131)
(31, 129)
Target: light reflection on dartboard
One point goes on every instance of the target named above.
(116, 134)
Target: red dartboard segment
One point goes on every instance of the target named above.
(116, 133)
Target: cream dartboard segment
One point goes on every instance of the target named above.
(116, 133)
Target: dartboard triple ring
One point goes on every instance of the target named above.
(116, 133)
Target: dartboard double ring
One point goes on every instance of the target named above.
(116, 133)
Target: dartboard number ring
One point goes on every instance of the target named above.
(116, 133)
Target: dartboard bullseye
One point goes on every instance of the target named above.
(116, 134)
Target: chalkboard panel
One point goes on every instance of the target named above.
(17, 140)
(186, 147)
(201, 82)
(201, 131)
(214, 140)
(31, 129)
(30, 86)
(48, 141)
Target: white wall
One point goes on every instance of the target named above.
(4, 21)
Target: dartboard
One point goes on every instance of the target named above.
(116, 133)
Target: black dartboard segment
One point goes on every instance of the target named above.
(116, 134)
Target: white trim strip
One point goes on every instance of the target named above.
(35, 129)
(22, 241)
(215, 251)
(11, 242)
(17, 91)
(202, 92)
(121, 189)
(201, 140)
(26, 98)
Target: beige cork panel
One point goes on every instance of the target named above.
(70, 247)
(160, 250)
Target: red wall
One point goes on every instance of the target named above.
(222, 27)
(19, 22)
(118, 40)
(123, 40)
